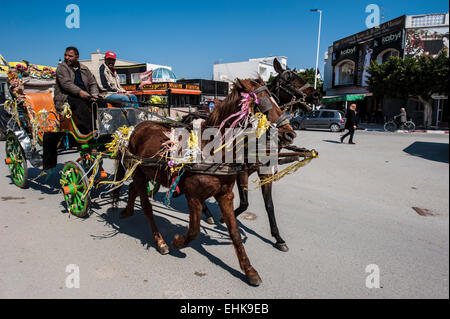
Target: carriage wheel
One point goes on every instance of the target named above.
(16, 161)
(74, 185)
(152, 188)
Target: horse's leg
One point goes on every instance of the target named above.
(132, 194)
(242, 184)
(140, 181)
(195, 214)
(208, 216)
(267, 195)
(226, 207)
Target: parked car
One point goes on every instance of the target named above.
(320, 119)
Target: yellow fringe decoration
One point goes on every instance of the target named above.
(127, 176)
(92, 178)
(263, 124)
(11, 107)
(288, 170)
(193, 140)
(120, 139)
(66, 112)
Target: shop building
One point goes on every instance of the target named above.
(347, 60)
(211, 91)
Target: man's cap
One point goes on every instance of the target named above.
(110, 55)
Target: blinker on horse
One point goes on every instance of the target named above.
(197, 187)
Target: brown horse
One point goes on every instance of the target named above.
(147, 140)
(291, 93)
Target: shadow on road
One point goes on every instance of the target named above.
(137, 226)
(437, 152)
(332, 141)
(48, 183)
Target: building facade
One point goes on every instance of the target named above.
(347, 60)
(128, 71)
(252, 68)
(212, 91)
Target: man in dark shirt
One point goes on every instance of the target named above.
(76, 85)
(350, 124)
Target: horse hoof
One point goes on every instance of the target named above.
(282, 247)
(176, 242)
(125, 214)
(254, 280)
(210, 220)
(163, 249)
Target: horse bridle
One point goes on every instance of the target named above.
(264, 106)
(285, 85)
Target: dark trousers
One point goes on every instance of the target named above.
(351, 132)
(82, 114)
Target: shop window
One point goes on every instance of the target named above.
(386, 55)
(135, 79)
(344, 73)
(123, 78)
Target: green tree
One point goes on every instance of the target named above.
(309, 75)
(416, 78)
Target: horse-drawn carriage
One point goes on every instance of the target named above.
(37, 133)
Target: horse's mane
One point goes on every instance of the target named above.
(225, 108)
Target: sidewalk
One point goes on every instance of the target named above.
(419, 129)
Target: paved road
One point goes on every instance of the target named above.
(349, 208)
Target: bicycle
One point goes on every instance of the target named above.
(392, 126)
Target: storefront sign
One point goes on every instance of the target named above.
(192, 87)
(346, 53)
(168, 85)
(129, 87)
(381, 30)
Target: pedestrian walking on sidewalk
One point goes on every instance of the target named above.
(350, 125)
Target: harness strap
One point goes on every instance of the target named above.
(284, 119)
(260, 89)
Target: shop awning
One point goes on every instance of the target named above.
(347, 97)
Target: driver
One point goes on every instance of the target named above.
(109, 84)
(76, 85)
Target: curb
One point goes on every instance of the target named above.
(404, 131)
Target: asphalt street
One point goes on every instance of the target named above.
(347, 209)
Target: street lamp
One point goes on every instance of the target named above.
(318, 43)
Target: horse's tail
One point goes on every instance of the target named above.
(120, 174)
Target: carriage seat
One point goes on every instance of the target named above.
(38, 102)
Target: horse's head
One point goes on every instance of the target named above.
(291, 90)
(269, 107)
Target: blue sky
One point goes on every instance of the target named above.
(189, 35)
